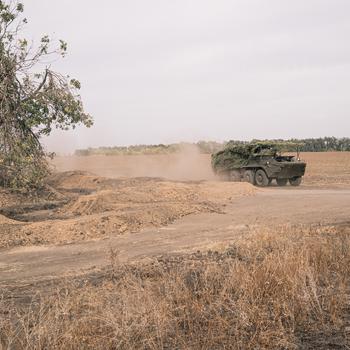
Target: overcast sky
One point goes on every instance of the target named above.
(162, 71)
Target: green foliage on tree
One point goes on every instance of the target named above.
(33, 101)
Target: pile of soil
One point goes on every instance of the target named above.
(88, 207)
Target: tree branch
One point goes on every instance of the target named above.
(38, 88)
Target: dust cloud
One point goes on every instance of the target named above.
(189, 164)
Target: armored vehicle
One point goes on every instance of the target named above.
(257, 163)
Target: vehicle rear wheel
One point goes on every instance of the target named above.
(295, 181)
(234, 175)
(261, 178)
(281, 182)
(248, 176)
(223, 176)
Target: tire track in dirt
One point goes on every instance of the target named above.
(268, 208)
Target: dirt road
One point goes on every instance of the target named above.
(269, 207)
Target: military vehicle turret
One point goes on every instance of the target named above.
(257, 163)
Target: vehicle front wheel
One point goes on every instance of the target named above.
(295, 181)
(248, 176)
(261, 178)
(281, 182)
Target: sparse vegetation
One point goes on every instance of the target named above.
(283, 289)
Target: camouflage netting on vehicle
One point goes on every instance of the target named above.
(236, 156)
(228, 159)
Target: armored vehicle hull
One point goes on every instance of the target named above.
(258, 164)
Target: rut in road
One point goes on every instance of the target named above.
(271, 207)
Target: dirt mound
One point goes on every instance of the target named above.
(6, 221)
(118, 194)
(7, 198)
(97, 207)
(75, 180)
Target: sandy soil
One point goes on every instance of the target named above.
(174, 205)
(89, 207)
(273, 208)
(328, 169)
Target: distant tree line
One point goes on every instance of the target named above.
(202, 146)
(130, 150)
(322, 144)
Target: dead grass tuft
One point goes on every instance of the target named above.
(271, 290)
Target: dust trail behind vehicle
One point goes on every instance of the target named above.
(325, 169)
(189, 164)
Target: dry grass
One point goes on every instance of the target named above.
(272, 290)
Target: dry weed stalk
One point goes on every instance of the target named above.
(276, 290)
